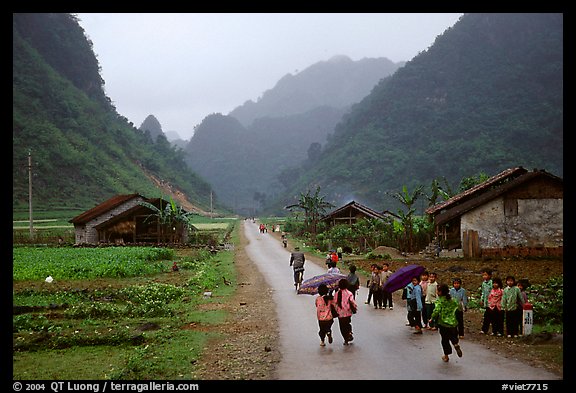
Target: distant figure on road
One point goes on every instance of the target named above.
(297, 260)
(332, 268)
(353, 280)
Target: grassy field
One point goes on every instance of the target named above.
(145, 324)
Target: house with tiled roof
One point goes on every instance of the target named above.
(353, 211)
(515, 213)
(125, 219)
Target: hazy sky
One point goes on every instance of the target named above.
(183, 67)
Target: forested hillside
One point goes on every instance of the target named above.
(486, 96)
(83, 151)
(248, 155)
(336, 82)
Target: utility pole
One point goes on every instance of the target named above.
(211, 209)
(30, 194)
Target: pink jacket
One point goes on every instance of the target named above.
(495, 299)
(323, 310)
(347, 299)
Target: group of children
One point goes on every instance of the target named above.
(430, 305)
(341, 306)
(502, 305)
(381, 298)
(434, 306)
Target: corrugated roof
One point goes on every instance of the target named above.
(102, 208)
(482, 187)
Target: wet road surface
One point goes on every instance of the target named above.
(383, 347)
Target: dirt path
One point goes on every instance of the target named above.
(249, 346)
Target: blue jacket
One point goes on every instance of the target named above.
(414, 292)
(460, 296)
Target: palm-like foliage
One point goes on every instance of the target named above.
(408, 200)
(169, 216)
(314, 206)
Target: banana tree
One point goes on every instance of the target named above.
(314, 206)
(169, 216)
(408, 200)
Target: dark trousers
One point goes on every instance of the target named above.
(449, 336)
(425, 316)
(495, 318)
(345, 324)
(460, 319)
(377, 296)
(513, 319)
(387, 299)
(325, 328)
(296, 273)
(429, 307)
(415, 318)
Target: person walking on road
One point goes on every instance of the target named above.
(324, 307)
(297, 260)
(345, 306)
(444, 315)
(353, 280)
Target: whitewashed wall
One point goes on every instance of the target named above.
(539, 223)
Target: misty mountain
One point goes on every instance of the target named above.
(337, 82)
(152, 127)
(246, 154)
(486, 96)
(83, 151)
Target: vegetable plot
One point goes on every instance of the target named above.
(37, 263)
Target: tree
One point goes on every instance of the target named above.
(314, 207)
(408, 200)
(168, 217)
(468, 182)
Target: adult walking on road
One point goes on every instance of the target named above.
(297, 260)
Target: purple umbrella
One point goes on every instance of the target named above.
(402, 277)
(310, 286)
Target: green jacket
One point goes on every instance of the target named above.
(486, 289)
(445, 312)
(512, 298)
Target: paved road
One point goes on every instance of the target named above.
(383, 347)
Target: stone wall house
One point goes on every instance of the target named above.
(515, 213)
(123, 219)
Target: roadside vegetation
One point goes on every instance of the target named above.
(118, 312)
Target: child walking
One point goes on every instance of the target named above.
(444, 315)
(512, 304)
(324, 306)
(345, 306)
(459, 294)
